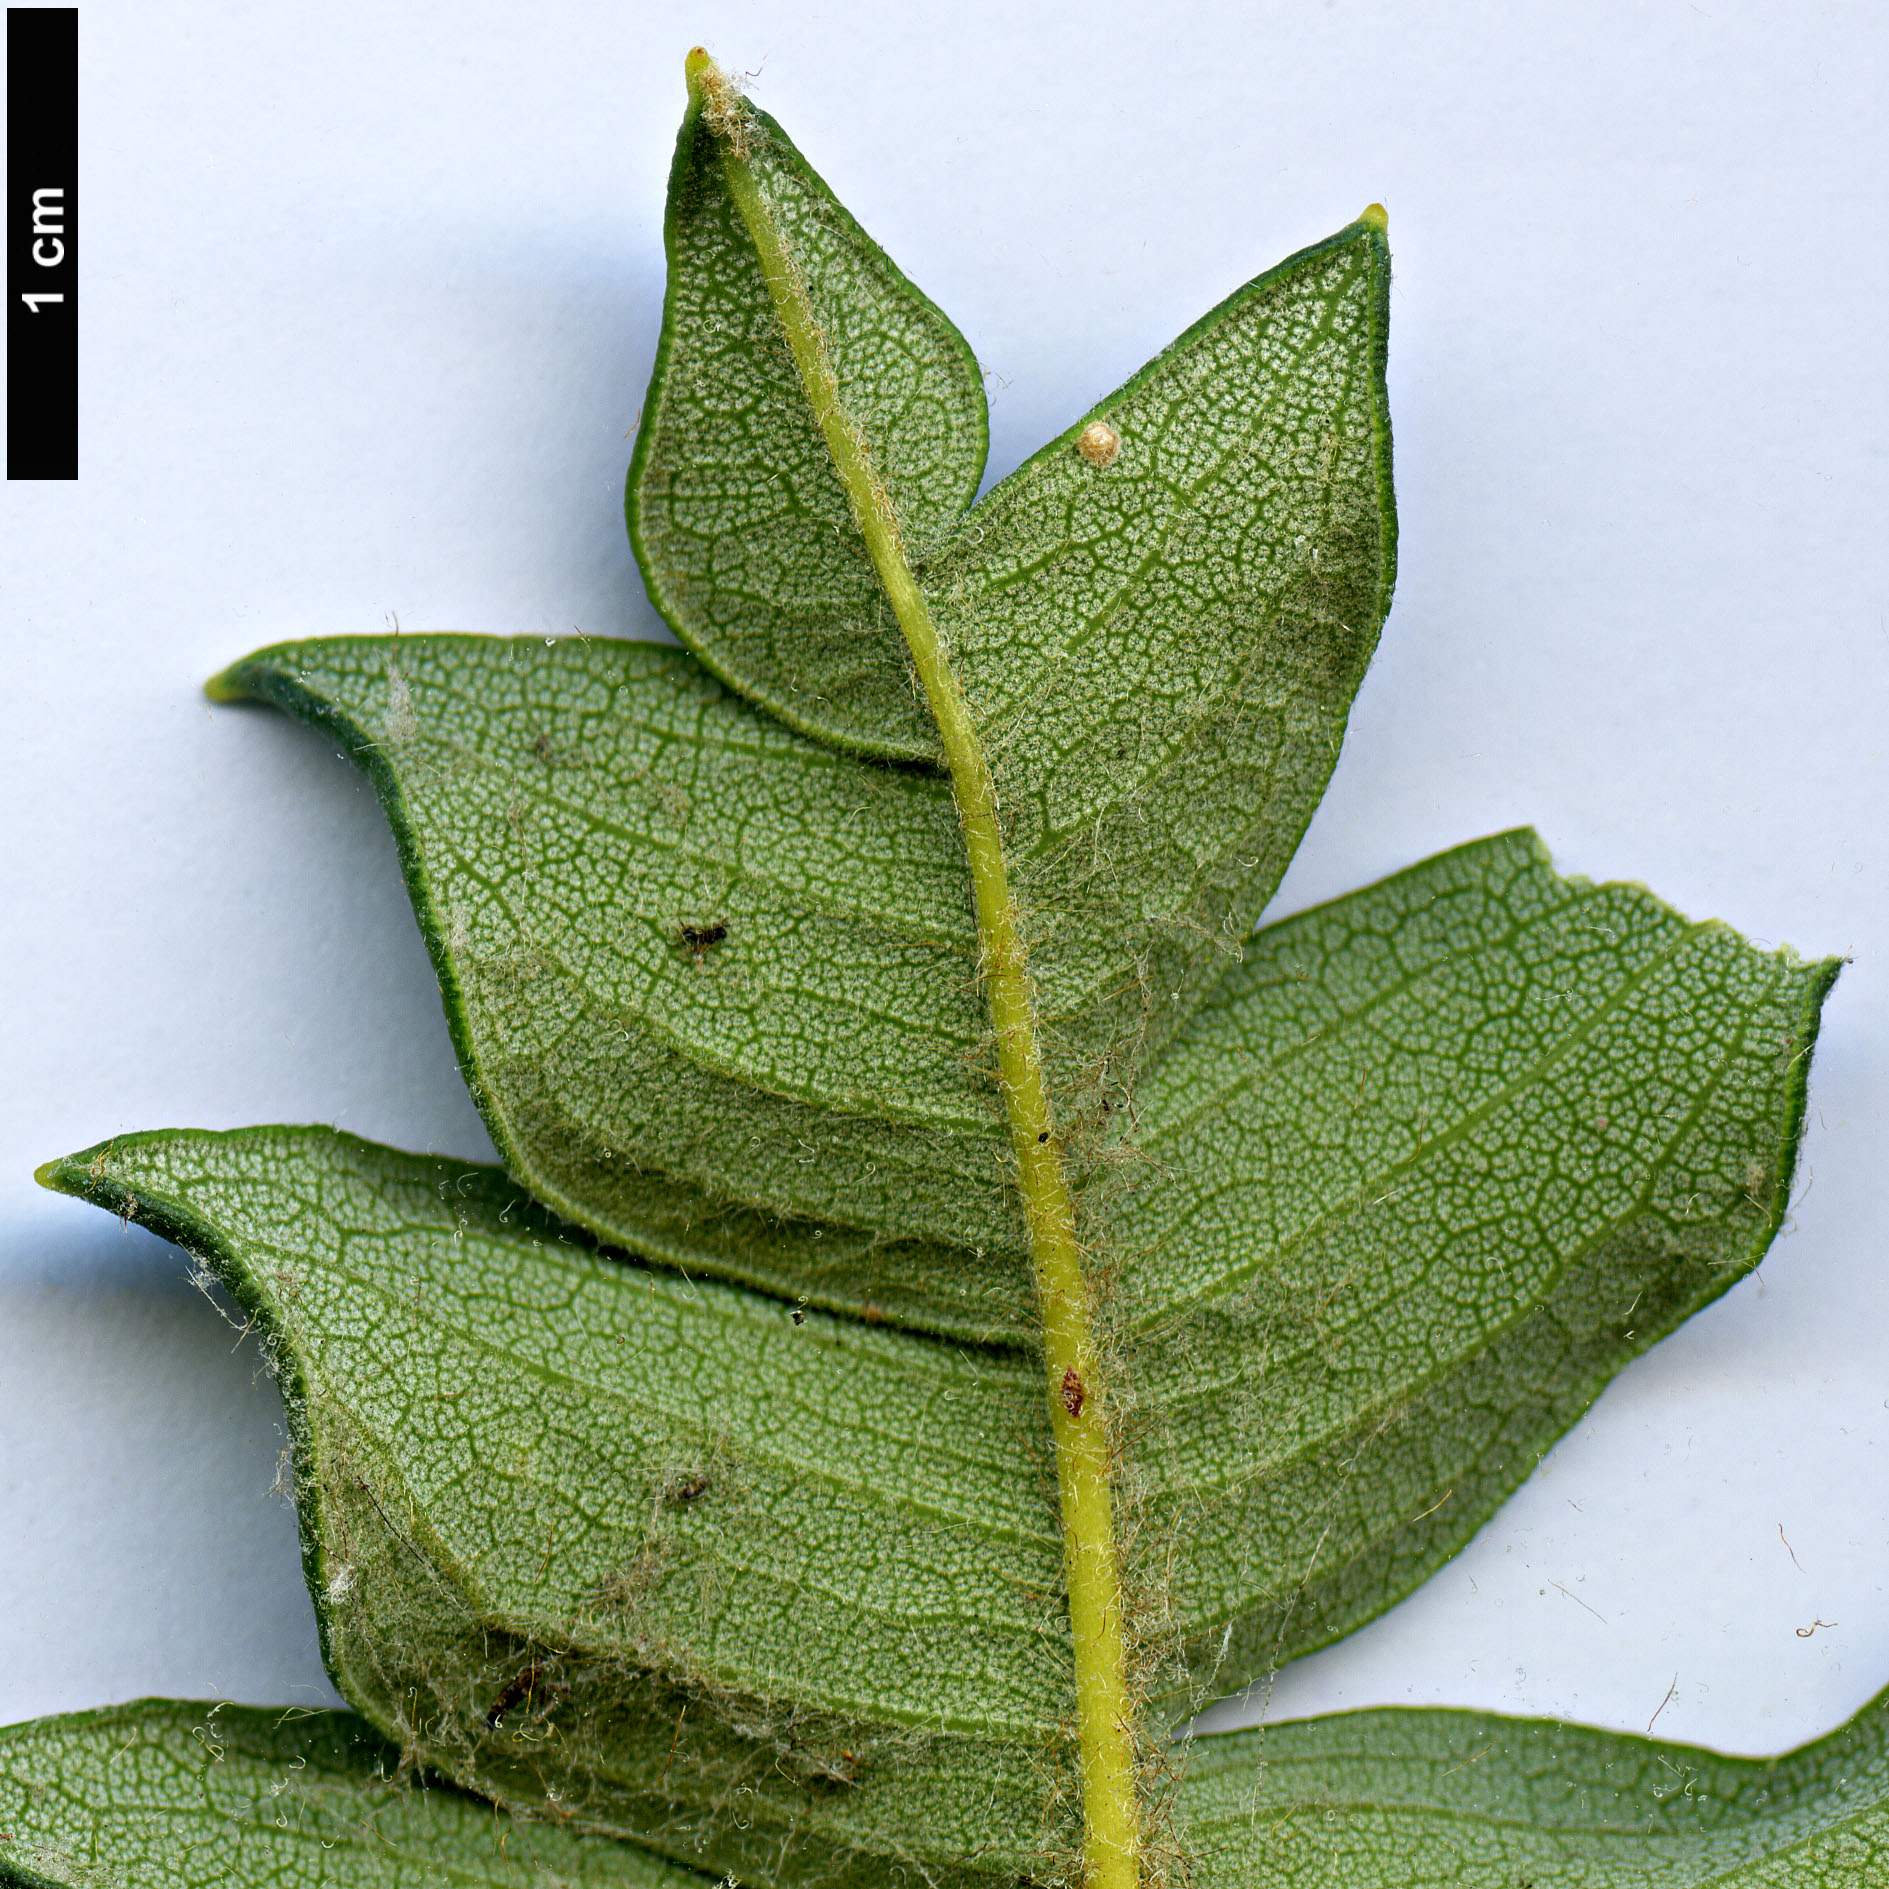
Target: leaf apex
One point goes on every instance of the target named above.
(231, 684)
(1376, 217)
(63, 1176)
(82, 1175)
(714, 94)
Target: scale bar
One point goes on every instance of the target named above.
(42, 242)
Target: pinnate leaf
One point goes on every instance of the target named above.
(1382, 1199)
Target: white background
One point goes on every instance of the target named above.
(370, 294)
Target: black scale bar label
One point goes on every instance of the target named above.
(42, 242)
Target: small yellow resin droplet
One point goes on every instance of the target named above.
(1099, 443)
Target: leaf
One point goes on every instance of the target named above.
(1425, 1799)
(1465, 1800)
(566, 817)
(789, 1589)
(717, 1545)
(1441, 1157)
(194, 1795)
(1160, 654)
(1378, 1208)
(1159, 641)
(736, 513)
(810, 1571)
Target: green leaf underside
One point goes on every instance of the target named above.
(567, 818)
(750, 1546)
(1443, 1154)
(657, 915)
(1464, 1800)
(600, 1041)
(194, 1795)
(734, 507)
(570, 818)
(719, 1549)
(1158, 654)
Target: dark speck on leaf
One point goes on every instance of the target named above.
(700, 940)
(522, 1690)
(685, 1489)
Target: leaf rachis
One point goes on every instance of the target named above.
(1104, 1705)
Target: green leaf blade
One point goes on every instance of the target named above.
(825, 1057)
(203, 1796)
(738, 520)
(1365, 1295)
(718, 1542)
(1433, 1799)
(1383, 1199)
(567, 817)
(1158, 622)
(1160, 652)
